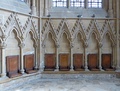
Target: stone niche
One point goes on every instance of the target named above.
(64, 44)
(107, 45)
(78, 44)
(28, 44)
(12, 44)
(92, 46)
(50, 44)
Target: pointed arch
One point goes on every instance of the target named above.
(93, 43)
(53, 35)
(33, 34)
(13, 41)
(30, 43)
(63, 27)
(111, 36)
(97, 35)
(64, 43)
(13, 22)
(78, 43)
(31, 28)
(68, 37)
(50, 43)
(79, 28)
(48, 26)
(17, 33)
(82, 34)
(93, 27)
(107, 28)
(50, 29)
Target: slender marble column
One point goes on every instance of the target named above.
(86, 4)
(85, 53)
(22, 45)
(33, 7)
(110, 10)
(42, 62)
(100, 52)
(36, 61)
(68, 4)
(57, 57)
(113, 55)
(118, 27)
(46, 8)
(71, 57)
(3, 46)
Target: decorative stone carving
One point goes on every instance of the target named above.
(35, 45)
(1, 22)
(43, 45)
(22, 45)
(3, 45)
(85, 44)
(71, 45)
(100, 44)
(57, 44)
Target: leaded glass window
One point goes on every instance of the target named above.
(94, 3)
(77, 3)
(59, 3)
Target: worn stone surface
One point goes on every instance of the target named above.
(63, 82)
(69, 85)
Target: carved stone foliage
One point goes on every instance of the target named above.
(97, 26)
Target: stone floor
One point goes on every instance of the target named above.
(70, 85)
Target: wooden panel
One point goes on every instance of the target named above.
(92, 61)
(64, 62)
(50, 61)
(29, 63)
(12, 66)
(106, 61)
(78, 61)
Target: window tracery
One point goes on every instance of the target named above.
(77, 3)
(59, 3)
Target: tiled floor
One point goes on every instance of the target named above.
(70, 85)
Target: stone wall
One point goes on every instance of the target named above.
(40, 34)
(18, 36)
(77, 34)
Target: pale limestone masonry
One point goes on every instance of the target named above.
(36, 27)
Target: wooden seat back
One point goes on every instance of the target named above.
(64, 61)
(78, 61)
(50, 62)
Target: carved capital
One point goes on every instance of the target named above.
(4, 37)
(113, 45)
(42, 38)
(71, 45)
(43, 46)
(3, 45)
(22, 45)
(35, 45)
(100, 44)
(85, 44)
(57, 45)
(71, 38)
